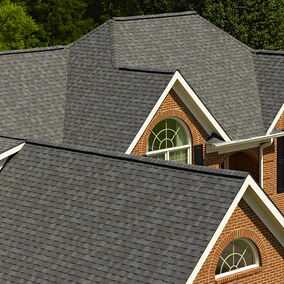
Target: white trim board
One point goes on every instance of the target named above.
(12, 151)
(210, 123)
(275, 120)
(260, 204)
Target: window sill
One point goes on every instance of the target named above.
(238, 275)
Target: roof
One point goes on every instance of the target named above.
(105, 106)
(76, 216)
(98, 91)
(8, 143)
(32, 93)
(269, 68)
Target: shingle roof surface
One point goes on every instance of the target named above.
(106, 107)
(71, 216)
(98, 91)
(217, 67)
(32, 93)
(269, 68)
(7, 144)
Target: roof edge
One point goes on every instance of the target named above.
(139, 159)
(31, 50)
(248, 185)
(144, 17)
(146, 69)
(269, 52)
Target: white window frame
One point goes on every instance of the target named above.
(256, 264)
(173, 149)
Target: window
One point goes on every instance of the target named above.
(241, 254)
(280, 165)
(170, 140)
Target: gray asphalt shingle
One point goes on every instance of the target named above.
(74, 216)
(98, 91)
(32, 93)
(8, 143)
(269, 66)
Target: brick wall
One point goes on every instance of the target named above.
(280, 122)
(172, 107)
(271, 171)
(245, 223)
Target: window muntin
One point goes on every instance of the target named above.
(239, 255)
(170, 140)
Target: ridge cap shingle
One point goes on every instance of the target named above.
(31, 50)
(145, 17)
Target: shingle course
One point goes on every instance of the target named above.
(99, 90)
(69, 215)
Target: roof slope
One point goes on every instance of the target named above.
(8, 143)
(75, 216)
(218, 67)
(106, 107)
(269, 68)
(32, 93)
(98, 91)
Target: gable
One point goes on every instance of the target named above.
(219, 68)
(262, 207)
(244, 223)
(172, 106)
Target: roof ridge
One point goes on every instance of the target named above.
(144, 17)
(30, 50)
(269, 52)
(139, 159)
(148, 69)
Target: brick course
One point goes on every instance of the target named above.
(270, 170)
(245, 223)
(247, 160)
(173, 107)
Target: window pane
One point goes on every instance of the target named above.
(159, 156)
(239, 253)
(179, 156)
(167, 134)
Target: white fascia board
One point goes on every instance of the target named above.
(218, 232)
(12, 151)
(275, 120)
(177, 77)
(236, 145)
(265, 210)
(274, 220)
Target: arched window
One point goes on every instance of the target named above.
(170, 140)
(239, 255)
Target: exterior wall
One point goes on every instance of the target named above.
(271, 171)
(215, 160)
(280, 122)
(245, 223)
(173, 107)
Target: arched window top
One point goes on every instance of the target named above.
(239, 255)
(170, 140)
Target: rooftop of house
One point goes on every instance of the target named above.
(98, 91)
(71, 214)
